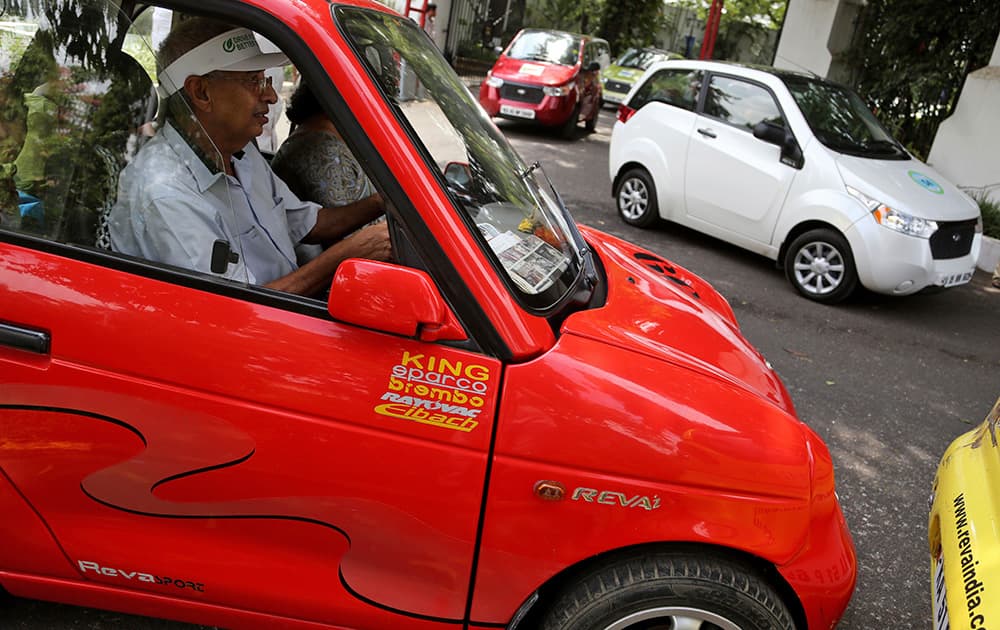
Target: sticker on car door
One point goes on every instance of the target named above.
(436, 391)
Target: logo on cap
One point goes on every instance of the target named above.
(239, 42)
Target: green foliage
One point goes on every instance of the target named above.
(624, 23)
(476, 50)
(636, 23)
(913, 57)
(631, 23)
(768, 13)
(566, 15)
(990, 210)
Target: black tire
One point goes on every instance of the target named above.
(635, 197)
(591, 125)
(660, 590)
(568, 128)
(820, 266)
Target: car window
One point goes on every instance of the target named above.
(841, 120)
(547, 46)
(509, 207)
(673, 86)
(641, 59)
(741, 103)
(604, 55)
(73, 112)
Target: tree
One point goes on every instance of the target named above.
(912, 57)
(767, 13)
(566, 15)
(631, 23)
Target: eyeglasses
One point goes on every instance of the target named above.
(256, 85)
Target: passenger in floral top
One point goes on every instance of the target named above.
(317, 165)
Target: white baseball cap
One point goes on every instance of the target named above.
(235, 50)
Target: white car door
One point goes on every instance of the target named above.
(659, 133)
(735, 184)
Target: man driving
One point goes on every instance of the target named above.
(201, 179)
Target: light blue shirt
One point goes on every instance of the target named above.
(171, 209)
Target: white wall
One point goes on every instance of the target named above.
(804, 36)
(966, 148)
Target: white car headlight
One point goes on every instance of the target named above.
(494, 82)
(558, 90)
(895, 219)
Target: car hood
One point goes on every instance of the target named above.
(908, 185)
(662, 310)
(532, 72)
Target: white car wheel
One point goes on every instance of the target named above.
(820, 266)
(636, 198)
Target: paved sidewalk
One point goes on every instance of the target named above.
(472, 81)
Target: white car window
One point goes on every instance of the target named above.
(677, 87)
(741, 103)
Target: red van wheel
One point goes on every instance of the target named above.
(568, 129)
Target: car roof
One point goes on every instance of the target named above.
(749, 70)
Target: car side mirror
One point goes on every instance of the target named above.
(498, 49)
(458, 175)
(392, 299)
(791, 152)
(593, 66)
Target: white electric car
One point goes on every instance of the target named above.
(793, 167)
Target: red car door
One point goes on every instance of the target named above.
(194, 445)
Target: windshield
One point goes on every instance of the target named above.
(841, 121)
(547, 46)
(641, 59)
(509, 206)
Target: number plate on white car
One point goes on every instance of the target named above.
(956, 279)
(940, 608)
(508, 110)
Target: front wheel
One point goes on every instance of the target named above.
(636, 198)
(568, 129)
(670, 591)
(820, 266)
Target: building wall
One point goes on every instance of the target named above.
(966, 148)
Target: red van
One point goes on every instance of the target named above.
(516, 423)
(550, 77)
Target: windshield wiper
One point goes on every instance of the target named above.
(531, 169)
(892, 145)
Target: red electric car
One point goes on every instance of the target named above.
(516, 423)
(550, 77)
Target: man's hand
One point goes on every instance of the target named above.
(370, 242)
(332, 224)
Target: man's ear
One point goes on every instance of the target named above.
(196, 88)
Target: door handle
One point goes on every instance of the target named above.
(36, 341)
(707, 132)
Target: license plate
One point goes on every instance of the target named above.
(940, 609)
(520, 112)
(956, 279)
